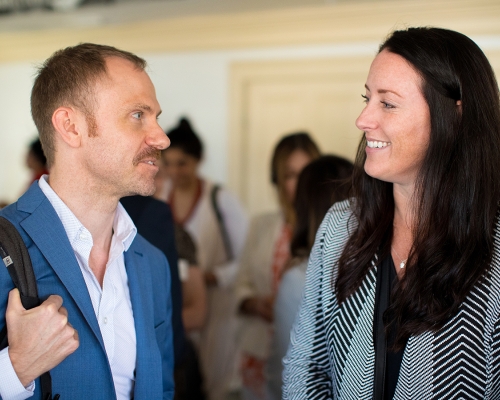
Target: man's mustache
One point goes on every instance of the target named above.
(147, 153)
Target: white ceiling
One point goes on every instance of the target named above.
(105, 12)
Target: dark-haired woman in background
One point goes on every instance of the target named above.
(402, 295)
(322, 183)
(266, 253)
(36, 161)
(195, 204)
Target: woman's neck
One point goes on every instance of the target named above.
(403, 227)
(183, 200)
(190, 187)
(404, 210)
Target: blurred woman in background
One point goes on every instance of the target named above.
(37, 164)
(187, 375)
(217, 222)
(322, 183)
(36, 161)
(266, 252)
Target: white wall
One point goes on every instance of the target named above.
(194, 84)
(16, 127)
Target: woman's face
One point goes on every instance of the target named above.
(180, 167)
(295, 163)
(395, 120)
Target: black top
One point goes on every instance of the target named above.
(387, 368)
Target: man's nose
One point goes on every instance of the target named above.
(158, 138)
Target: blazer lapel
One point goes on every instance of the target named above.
(148, 361)
(48, 234)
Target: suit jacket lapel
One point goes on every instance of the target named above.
(148, 362)
(48, 234)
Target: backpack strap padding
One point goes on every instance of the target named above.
(16, 258)
(19, 265)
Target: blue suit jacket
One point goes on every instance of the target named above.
(86, 373)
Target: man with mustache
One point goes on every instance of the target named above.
(104, 326)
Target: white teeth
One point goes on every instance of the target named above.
(150, 162)
(374, 144)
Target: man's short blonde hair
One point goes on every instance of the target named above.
(68, 78)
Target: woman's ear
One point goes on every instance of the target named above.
(66, 122)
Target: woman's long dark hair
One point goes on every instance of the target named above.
(457, 188)
(321, 183)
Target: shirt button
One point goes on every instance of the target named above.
(105, 320)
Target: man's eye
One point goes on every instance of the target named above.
(137, 115)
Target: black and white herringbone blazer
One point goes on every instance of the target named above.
(332, 355)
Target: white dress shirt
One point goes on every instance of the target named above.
(111, 302)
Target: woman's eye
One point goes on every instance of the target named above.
(387, 105)
(137, 115)
(365, 98)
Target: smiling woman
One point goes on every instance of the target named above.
(395, 120)
(425, 198)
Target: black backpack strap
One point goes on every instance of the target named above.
(17, 260)
(220, 220)
(3, 338)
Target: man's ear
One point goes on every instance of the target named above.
(67, 123)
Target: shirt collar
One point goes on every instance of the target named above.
(124, 229)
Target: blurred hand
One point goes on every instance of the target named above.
(262, 307)
(39, 338)
(210, 279)
(265, 308)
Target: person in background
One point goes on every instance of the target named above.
(153, 220)
(217, 223)
(402, 294)
(266, 252)
(188, 378)
(323, 182)
(36, 161)
(194, 291)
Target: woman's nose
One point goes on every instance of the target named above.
(366, 120)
